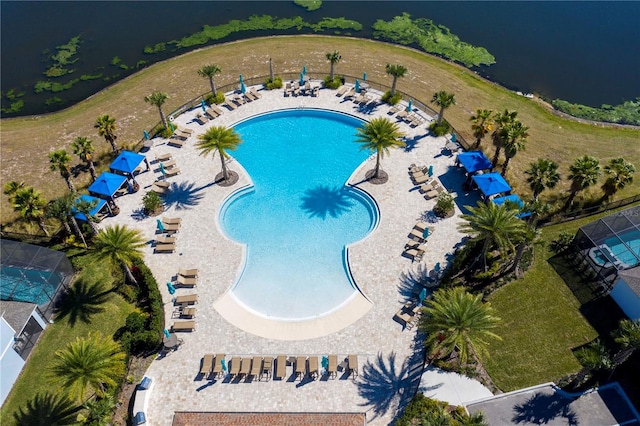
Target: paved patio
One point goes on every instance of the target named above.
(390, 358)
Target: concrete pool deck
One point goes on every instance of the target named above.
(390, 358)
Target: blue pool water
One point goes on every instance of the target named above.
(299, 216)
(27, 285)
(628, 255)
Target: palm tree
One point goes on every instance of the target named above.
(516, 139)
(59, 161)
(396, 71)
(502, 120)
(543, 174)
(584, 173)
(494, 225)
(158, 99)
(119, 245)
(83, 148)
(219, 139)
(85, 207)
(48, 409)
(31, 206)
(333, 58)
(627, 335)
(106, 126)
(210, 71)
(444, 100)
(620, 173)
(457, 320)
(481, 124)
(523, 241)
(11, 187)
(94, 362)
(379, 136)
(60, 209)
(594, 356)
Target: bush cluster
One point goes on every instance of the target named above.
(391, 100)
(332, 84)
(217, 99)
(439, 129)
(276, 83)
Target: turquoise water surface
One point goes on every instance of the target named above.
(298, 217)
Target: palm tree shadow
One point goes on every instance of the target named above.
(83, 300)
(323, 200)
(387, 384)
(411, 143)
(543, 409)
(413, 281)
(183, 195)
(47, 409)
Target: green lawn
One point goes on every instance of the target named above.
(34, 378)
(542, 321)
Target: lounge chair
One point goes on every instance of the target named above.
(230, 104)
(341, 91)
(245, 367)
(248, 96)
(188, 273)
(315, 91)
(202, 118)
(416, 235)
(170, 228)
(183, 326)
(426, 187)
(296, 89)
(168, 164)
(288, 89)
(406, 318)
(217, 109)
(281, 367)
(352, 361)
(163, 157)
(172, 172)
(419, 180)
(211, 113)
(332, 369)
(235, 366)
(314, 371)
(188, 312)
(165, 240)
(267, 367)
(159, 189)
(402, 114)
(187, 299)
(187, 282)
(414, 253)
(207, 365)
(256, 366)
(301, 367)
(217, 366)
(162, 183)
(171, 220)
(165, 248)
(175, 142)
(186, 131)
(437, 190)
(238, 100)
(181, 134)
(350, 93)
(359, 99)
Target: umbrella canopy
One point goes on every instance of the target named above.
(241, 80)
(454, 138)
(170, 288)
(474, 161)
(491, 184)
(99, 204)
(513, 198)
(126, 162)
(301, 79)
(160, 225)
(203, 105)
(410, 105)
(425, 233)
(243, 87)
(304, 70)
(107, 184)
(146, 134)
(162, 170)
(364, 76)
(430, 171)
(357, 85)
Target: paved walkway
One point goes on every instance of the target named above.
(389, 357)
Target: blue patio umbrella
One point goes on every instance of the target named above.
(430, 171)
(474, 161)
(166, 333)
(126, 162)
(364, 76)
(99, 204)
(410, 105)
(301, 79)
(357, 85)
(243, 87)
(107, 184)
(204, 106)
(453, 137)
(514, 199)
(146, 134)
(160, 225)
(304, 70)
(491, 184)
(171, 288)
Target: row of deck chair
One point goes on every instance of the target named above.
(210, 113)
(432, 189)
(409, 314)
(187, 277)
(416, 247)
(419, 175)
(183, 326)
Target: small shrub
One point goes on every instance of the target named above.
(332, 84)
(276, 83)
(493, 269)
(441, 129)
(391, 100)
(217, 99)
(562, 243)
(152, 203)
(162, 131)
(445, 205)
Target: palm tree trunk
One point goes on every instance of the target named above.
(162, 117)
(213, 86)
(393, 86)
(518, 258)
(496, 157)
(129, 274)
(42, 227)
(112, 141)
(440, 114)
(79, 232)
(92, 169)
(504, 166)
(375, 174)
(70, 185)
(331, 72)
(225, 173)
(67, 228)
(569, 202)
(485, 248)
(478, 140)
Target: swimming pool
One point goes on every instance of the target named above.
(28, 285)
(626, 248)
(299, 216)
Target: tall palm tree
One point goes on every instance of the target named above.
(516, 139)
(481, 124)
(379, 136)
(59, 161)
(584, 173)
(31, 206)
(83, 148)
(333, 58)
(119, 245)
(85, 207)
(620, 173)
(11, 187)
(543, 174)
(106, 126)
(494, 225)
(444, 100)
(95, 362)
(60, 209)
(457, 320)
(502, 120)
(158, 99)
(210, 71)
(396, 71)
(593, 357)
(219, 139)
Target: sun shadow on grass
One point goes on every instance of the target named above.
(84, 299)
(323, 201)
(46, 410)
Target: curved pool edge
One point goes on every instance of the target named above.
(347, 314)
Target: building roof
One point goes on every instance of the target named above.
(632, 278)
(268, 419)
(16, 313)
(547, 404)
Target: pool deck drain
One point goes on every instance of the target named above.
(381, 273)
